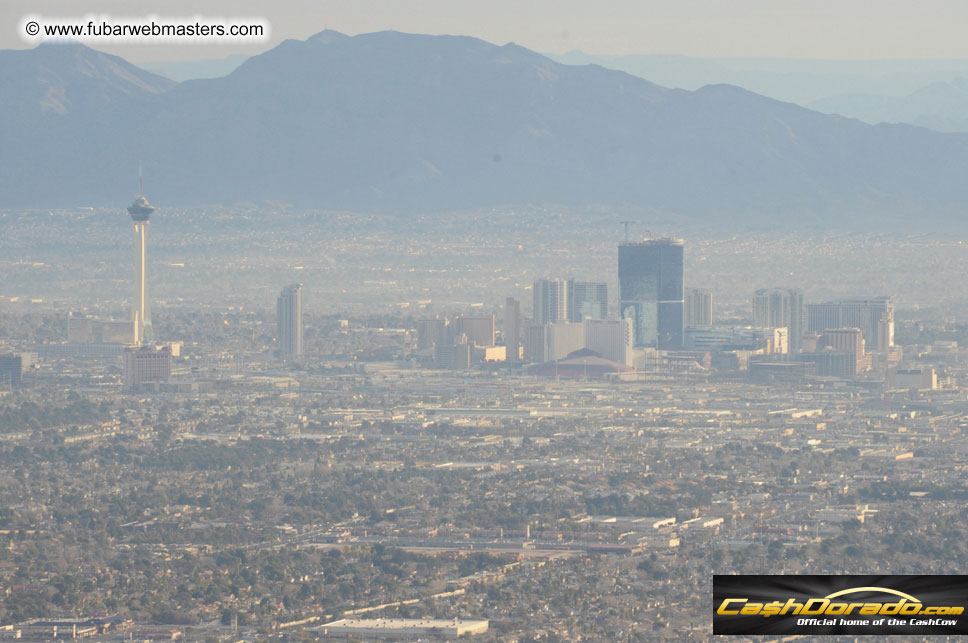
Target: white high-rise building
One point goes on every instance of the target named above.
(289, 332)
(885, 332)
(549, 342)
(563, 338)
(550, 301)
(610, 338)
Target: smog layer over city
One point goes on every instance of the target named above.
(423, 321)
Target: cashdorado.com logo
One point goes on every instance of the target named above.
(840, 604)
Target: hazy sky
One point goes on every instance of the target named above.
(830, 29)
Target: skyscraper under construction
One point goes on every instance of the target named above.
(650, 276)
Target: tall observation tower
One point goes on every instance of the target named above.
(140, 211)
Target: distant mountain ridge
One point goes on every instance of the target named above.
(408, 123)
(938, 106)
(799, 81)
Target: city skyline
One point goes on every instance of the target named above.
(440, 337)
(504, 469)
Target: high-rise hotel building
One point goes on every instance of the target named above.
(550, 301)
(289, 332)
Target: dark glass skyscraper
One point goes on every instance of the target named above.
(650, 275)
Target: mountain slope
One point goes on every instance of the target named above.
(71, 78)
(59, 106)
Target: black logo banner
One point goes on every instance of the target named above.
(840, 605)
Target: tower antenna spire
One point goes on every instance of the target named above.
(141, 187)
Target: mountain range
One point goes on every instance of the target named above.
(941, 106)
(800, 81)
(404, 123)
